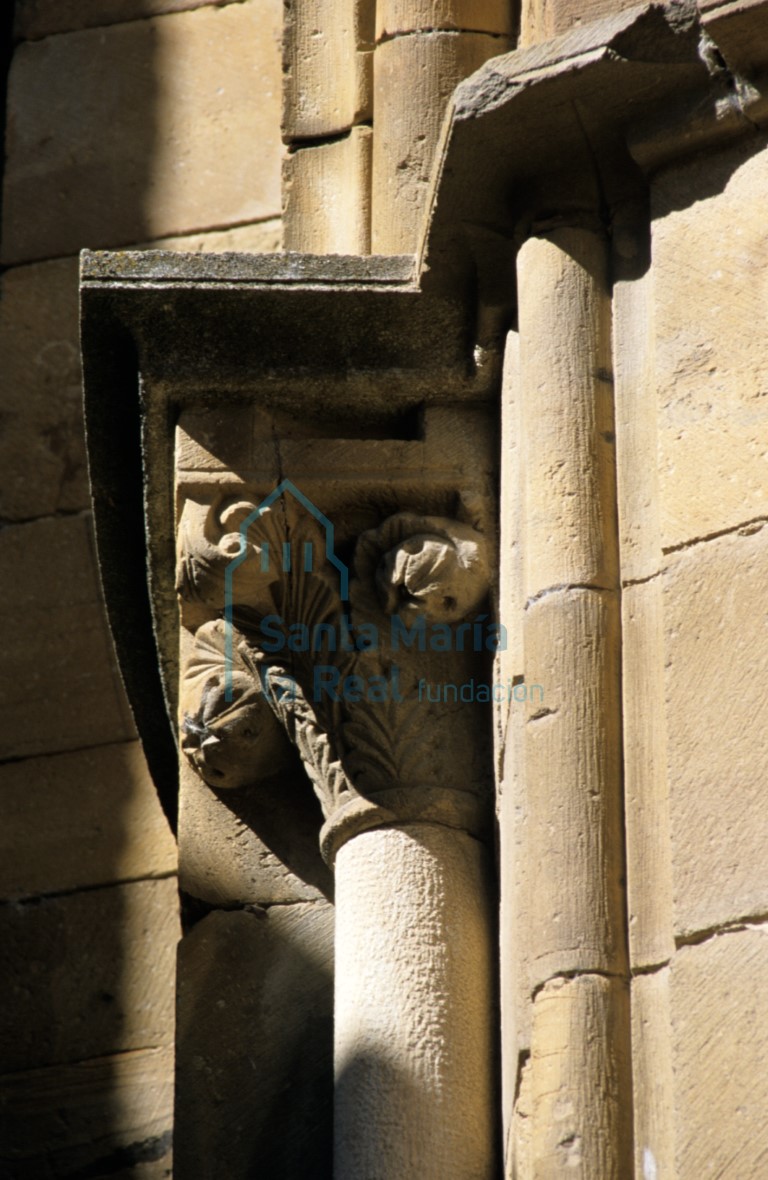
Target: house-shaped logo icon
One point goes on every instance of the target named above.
(286, 557)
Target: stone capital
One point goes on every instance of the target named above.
(352, 666)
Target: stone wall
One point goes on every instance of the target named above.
(692, 435)
(156, 122)
(141, 122)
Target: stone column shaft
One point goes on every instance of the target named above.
(423, 50)
(327, 111)
(580, 1085)
(414, 1008)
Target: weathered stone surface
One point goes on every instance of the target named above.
(636, 412)
(61, 690)
(649, 853)
(509, 733)
(255, 1045)
(254, 846)
(107, 1116)
(567, 422)
(413, 80)
(413, 1017)
(86, 818)
(138, 130)
(40, 18)
(515, 874)
(652, 1075)
(42, 451)
(327, 63)
(540, 20)
(740, 29)
(261, 237)
(572, 769)
(580, 1076)
(518, 1138)
(327, 196)
(710, 256)
(89, 974)
(477, 16)
(717, 721)
(201, 444)
(719, 1006)
(511, 589)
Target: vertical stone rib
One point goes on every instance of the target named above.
(327, 110)
(581, 1080)
(326, 196)
(326, 67)
(510, 739)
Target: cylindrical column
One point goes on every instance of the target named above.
(327, 96)
(574, 855)
(424, 49)
(581, 1121)
(414, 1008)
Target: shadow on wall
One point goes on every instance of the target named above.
(88, 899)
(138, 119)
(255, 1044)
(82, 129)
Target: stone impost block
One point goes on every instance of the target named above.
(652, 1076)
(61, 690)
(719, 1007)
(91, 1117)
(413, 80)
(567, 416)
(255, 1045)
(649, 863)
(143, 129)
(581, 1079)
(80, 819)
(478, 16)
(716, 655)
(327, 196)
(327, 63)
(89, 974)
(574, 844)
(710, 265)
(42, 451)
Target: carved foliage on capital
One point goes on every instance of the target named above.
(333, 658)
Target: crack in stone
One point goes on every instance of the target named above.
(736, 528)
(566, 976)
(569, 586)
(735, 926)
(33, 899)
